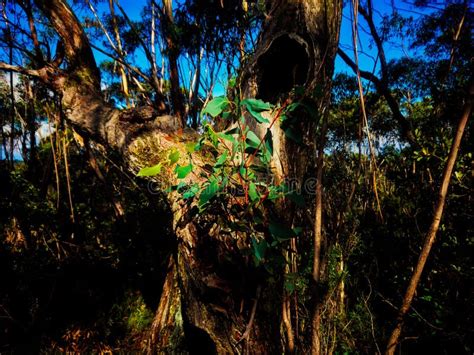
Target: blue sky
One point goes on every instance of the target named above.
(367, 52)
(366, 61)
(366, 55)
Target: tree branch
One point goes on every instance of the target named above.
(438, 214)
(38, 73)
(76, 44)
(378, 41)
(124, 63)
(382, 88)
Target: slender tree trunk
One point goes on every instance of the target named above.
(194, 91)
(173, 54)
(318, 235)
(31, 124)
(431, 235)
(123, 73)
(12, 107)
(286, 313)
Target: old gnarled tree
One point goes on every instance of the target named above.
(212, 299)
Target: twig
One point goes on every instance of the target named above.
(252, 317)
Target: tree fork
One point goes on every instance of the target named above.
(299, 40)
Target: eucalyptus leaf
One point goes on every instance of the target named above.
(208, 193)
(216, 106)
(255, 107)
(253, 193)
(252, 139)
(297, 198)
(222, 159)
(174, 157)
(293, 134)
(150, 171)
(193, 190)
(227, 137)
(259, 249)
(183, 171)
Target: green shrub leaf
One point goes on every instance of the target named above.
(150, 171)
(183, 171)
(255, 107)
(216, 106)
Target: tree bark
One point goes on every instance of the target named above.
(173, 54)
(214, 299)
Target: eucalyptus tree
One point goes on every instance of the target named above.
(214, 295)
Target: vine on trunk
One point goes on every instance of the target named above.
(238, 178)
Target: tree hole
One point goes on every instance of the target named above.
(283, 66)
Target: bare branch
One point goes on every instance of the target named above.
(39, 73)
(76, 44)
(378, 41)
(382, 88)
(26, 6)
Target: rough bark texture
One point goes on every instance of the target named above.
(214, 300)
(297, 47)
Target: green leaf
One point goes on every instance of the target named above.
(252, 139)
(313, 112)
(259, 249)
(269, 141)
(209, 192)
(199, 144)
(290, 284)
(181, 186)
(255, 107)
(297, 230)
(281, 232)
(212, 135)
(215, 106)
(150, 171)
(299, 90)
(293, 106)
(183, 171)
(268, 147)
(232, 82)
(174, 156)
(253, 193)
(171, 188)
(227, 137)
(191, 147)
(193, 190)
(222, 159)
(246, 173)
(275, 192)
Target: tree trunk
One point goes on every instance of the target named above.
(214, 299)
(173, 55)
